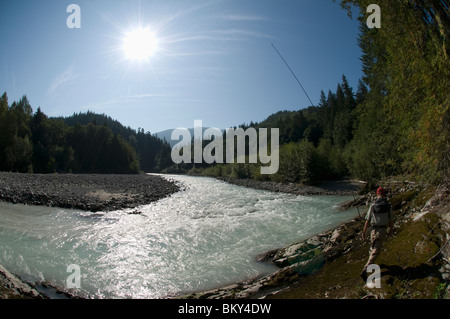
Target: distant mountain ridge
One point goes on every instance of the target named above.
(167, 134)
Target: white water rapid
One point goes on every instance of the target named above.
(203, 237)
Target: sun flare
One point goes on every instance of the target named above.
(140, 44)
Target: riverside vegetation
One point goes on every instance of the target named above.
(397, 122)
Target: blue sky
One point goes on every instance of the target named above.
(214, 60)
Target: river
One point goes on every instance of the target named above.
(200, 238)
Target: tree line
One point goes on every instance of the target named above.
(313, 141)
(82, 143)
(404, 122)
(398, 120)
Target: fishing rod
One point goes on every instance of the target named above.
(292, 73)
(298, 81)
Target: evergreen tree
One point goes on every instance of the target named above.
(4, 134)
(406, 67)
(361, 93)
(297, 127)
(36, 143)
(15, 138)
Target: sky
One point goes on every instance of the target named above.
(200, 60)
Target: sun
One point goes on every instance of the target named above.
(140, 44)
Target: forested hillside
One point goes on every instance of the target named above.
(397, 121)
(404, 122)
(314, 142)
(82, 143)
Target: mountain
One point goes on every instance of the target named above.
(167, 134)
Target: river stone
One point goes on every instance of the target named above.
(297, 253)
(310, 265)
(17, 285)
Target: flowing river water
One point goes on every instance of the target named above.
(202, 237)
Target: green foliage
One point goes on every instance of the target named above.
(153, 154)
(440, 291)
(331, 163)
(98, 150)
(51, 153)
(313, 141)
(83, 143)
(406, 66)
(16, 147)
(398, 122)
(297, 162)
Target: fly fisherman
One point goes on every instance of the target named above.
(379, 217)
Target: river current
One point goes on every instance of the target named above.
(203, 237)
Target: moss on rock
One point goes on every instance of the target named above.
(406, 271)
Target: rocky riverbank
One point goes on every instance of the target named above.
(343, 187)
(11, 287)
(414, 263)
(90, 192)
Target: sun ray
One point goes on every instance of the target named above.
(140, 44)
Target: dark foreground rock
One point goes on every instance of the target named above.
(12, 287)
(90, 192)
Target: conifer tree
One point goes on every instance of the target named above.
(406, 67)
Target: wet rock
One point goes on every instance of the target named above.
(299, 254)
(268, 256)
(12, 287)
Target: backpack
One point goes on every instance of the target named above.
(381, 206)
(381, 212)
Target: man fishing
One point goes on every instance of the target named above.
(379, 217)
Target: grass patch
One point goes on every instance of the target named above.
(405, 270)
